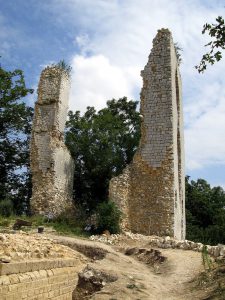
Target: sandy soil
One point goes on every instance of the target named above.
(138, 280)
(162, 282)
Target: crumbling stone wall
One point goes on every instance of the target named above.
(51, 164)
(151, 190)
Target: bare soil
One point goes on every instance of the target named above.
(140, 272)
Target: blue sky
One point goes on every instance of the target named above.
(107, 43)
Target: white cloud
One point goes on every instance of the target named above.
(115, 39)
(96, 80)
(205, 137)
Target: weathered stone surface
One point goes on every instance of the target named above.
(91, 280)
(51, 164)
(160, 242)
(22, 246)
(5, 259)
(35, 267)
(56, 283)
(151, 190)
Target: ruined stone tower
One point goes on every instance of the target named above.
(151, 190)
(51, 164)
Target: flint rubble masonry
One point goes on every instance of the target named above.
(151, 190)
(51, 164)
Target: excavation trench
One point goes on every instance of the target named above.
(97, 277)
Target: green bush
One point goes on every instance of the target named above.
(67, 223)
(66, 229)
(6, 208)
(108, 217)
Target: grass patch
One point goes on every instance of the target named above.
(64, 226)
(213, 280)
(6, 221)
(67, 229)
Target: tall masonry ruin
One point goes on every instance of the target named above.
(52, 167)
(151, 190)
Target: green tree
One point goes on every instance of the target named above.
(102, 144)
(205, 212)
(108, 217)
(217, 33)
(15, 126)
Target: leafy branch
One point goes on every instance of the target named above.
(217, 32)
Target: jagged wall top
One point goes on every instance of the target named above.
(150, 192)
(53, 99)
(51, 164)
(157, 98)
(50, 83)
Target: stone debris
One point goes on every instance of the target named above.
(91, 281)
(115, 238)
(23, 246)
(5, 259)
(148, 256)
(165, 242)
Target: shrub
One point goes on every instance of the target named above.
(108, 217)
(67, 223)
(6, 207)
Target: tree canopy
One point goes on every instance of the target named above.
(205, 212)
(15, 126)
(102, 143)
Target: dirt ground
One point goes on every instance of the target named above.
(137, 271)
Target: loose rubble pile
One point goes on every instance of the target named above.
(148, 256)
(160, 242)
(168, 242)
(91, 280)
(115, 238)
(23, 246)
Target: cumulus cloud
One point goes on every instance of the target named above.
(95, 80)
(114, 40)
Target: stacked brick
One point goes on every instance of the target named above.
(51, 164)
(46, 279)
(150, 192)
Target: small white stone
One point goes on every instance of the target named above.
(5, 259)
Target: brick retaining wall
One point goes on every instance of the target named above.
(44, 279)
